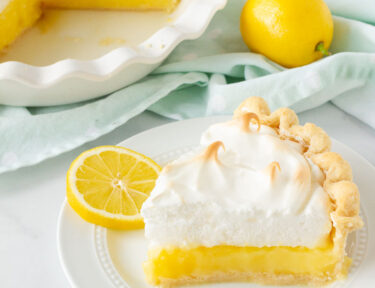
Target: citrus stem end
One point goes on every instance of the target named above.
(320, 47)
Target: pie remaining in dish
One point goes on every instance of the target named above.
(263, 201)
(15, 17)
(167, 5)
(18, 15)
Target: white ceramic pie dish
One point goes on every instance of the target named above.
(73, 80)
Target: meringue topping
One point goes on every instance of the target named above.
(258, 189)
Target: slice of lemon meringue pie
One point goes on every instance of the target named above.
(264, 201)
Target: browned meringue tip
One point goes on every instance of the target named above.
(211, 153)
(302, 175)
(246, 119)
(271, 169)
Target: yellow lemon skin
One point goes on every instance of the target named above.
(287, 31)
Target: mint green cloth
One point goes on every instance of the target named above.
(208, 76)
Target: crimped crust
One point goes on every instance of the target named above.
(338, 173)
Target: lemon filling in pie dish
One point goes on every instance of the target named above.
(263, 200)
(166, 5)
(16, 16)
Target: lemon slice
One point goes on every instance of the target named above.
(107, 186)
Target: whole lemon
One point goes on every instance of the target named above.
(290, 32)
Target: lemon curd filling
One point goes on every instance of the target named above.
(203, 262)
(18, 15)
(15, 17)
(113, 4)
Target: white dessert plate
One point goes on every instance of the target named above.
(93, 256)
(82, 55)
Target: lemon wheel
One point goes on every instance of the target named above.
(107, 186)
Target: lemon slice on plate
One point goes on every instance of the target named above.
(107, 186)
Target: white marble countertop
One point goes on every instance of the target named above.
(30, 198)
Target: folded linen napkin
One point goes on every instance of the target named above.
(208, 76)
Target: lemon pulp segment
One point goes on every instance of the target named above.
(200, 262)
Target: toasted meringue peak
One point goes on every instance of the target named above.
(302, 174)
(272, 169)
(245, 121)
(211, 152)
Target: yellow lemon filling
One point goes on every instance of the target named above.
(113, 4)
(16, 17)
(201, 262)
